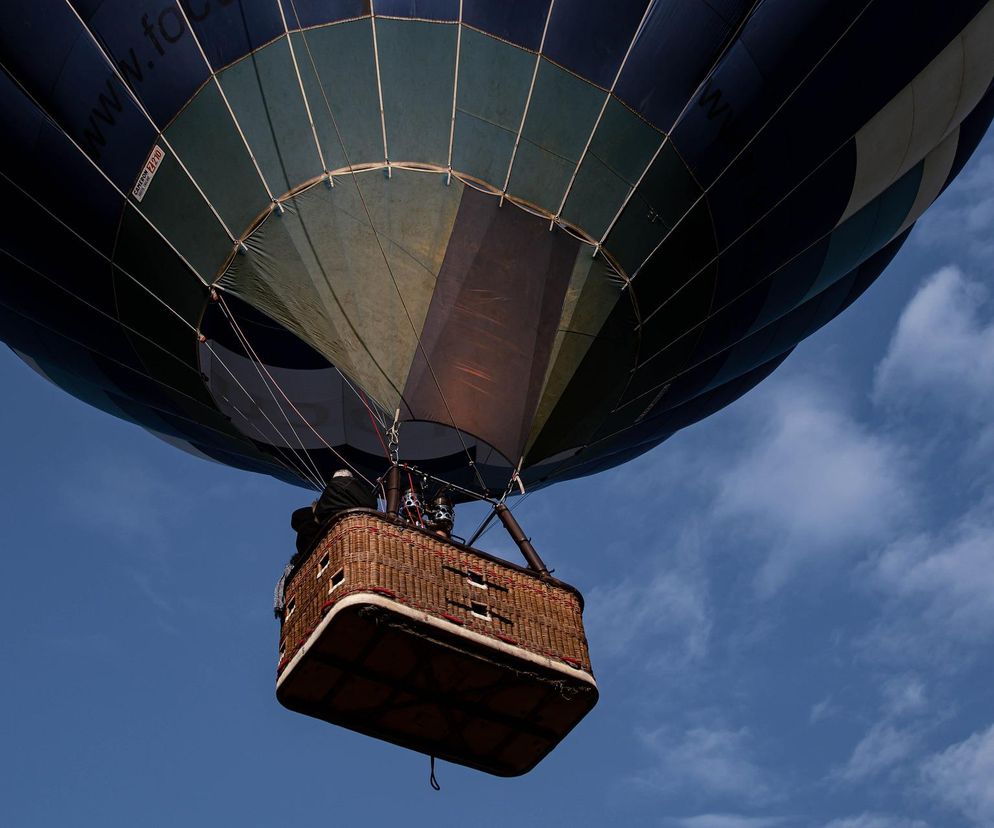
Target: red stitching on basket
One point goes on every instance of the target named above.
(453, 619)
(383, 591)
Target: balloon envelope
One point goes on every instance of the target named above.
(548, 234)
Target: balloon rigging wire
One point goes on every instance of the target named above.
(528, 102)
(607, 99)
(259, 366)
(303, 419)
(224, 97)
(417, 505)
(680, 117)
(287, 464)
(161, 134)
(353, 173)
(293, 468)
(48, 117)
(376, 431)
(683, 371)
(750, 142)
(484, 526)
(300, 83)
(714, 312)
(376, 235)
(723, 52)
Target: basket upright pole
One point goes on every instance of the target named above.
(524, 543)
(393, 490)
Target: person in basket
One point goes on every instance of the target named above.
(342, 492)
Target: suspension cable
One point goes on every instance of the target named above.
(118, 268)
(276, 385)
(749, 143)
(256, 362)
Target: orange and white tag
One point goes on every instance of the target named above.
(148, 173)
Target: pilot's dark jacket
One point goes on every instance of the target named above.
(340, 494)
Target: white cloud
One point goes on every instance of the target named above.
(729, 821)
(822, 710)
(815, 483)
(125, 500)
(904, 695)
(706, 762)
(962, 776)
(947, 578)
(940, 365)
(942, 351)
(876, 821)
(882, 748)
(664, 618)
(964, 214)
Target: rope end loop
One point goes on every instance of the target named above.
(431, 779)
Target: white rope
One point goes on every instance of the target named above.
(686, 108)
(98, 251)
(117, 267)
(386, 261)
(103, 175)
(264, 438)
(276, 385)
(714, 312)
(749, 143)
(607, 99)
(379, 83)
(227, 103)
(122, 270)
(739, 238)
(455, 93)
(118, 362)
(117, 72)
(257, 362)
(711, 314)
(300, 83)
(95, 308)
(528, 102)
(303, 470)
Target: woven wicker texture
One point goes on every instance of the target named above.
(365, 552)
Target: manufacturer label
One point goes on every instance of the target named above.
(148, 173)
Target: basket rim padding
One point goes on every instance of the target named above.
(403, 524)
(370, 598)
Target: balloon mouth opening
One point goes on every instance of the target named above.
(290, 400)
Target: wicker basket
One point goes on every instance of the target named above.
(397, 633)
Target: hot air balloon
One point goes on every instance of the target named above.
(510, 242)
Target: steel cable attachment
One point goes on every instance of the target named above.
(393, 439)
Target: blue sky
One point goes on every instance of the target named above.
(790, 605)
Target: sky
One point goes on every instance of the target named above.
(790, 606)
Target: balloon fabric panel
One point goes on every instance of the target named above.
(610, 264)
